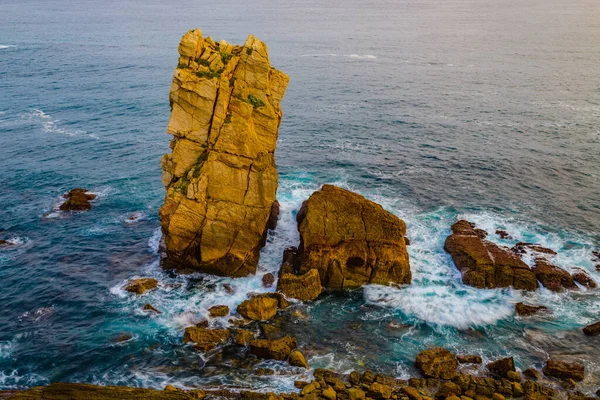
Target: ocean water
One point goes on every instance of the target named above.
(437, 110)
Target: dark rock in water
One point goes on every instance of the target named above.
(122, 337)
(242, 337)
(484, 264)
(406, 241)
(279, 349)
(150, 308)
(552, 277)
(6, 243)
(141, 285)
(597, 267)
(522, 247)
(218, 311)
(503, 234)
(583, 278)
(592, 330)
(205, 339)
(526, 310)
(228, 288)
(437, 363)
(531, 373)
(502, 367)
(78, 199)
(351, 241)
(564, 370)
(274, 216)
(482, 234)
(469, 359)
(268, 279)
(595, 255)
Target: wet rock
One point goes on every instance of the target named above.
(498, 396)
(526, 310)
(595, 255)
(379, 391)
(448, 389)
(170, 388)
(6, 243)
(592, 330)
(535, 391)
(141, 285)
(469, 359)
(273, 216)
(354, 378)
(531, 373)
(329, 393)
(228, 288)
(279, 349)
(351, 241)
(355, 394)
(258, 308)
(583, 278)
(437, 363)
(303, 287)
(484, 264)
(522, 247)
(412, 393)
(205, 339)
(268, 279)
(264, 372)
(597, 267)
(552, 277)
(282, 302)
(220, 177)
(297, 359)
(513, 376)
(77, 199)
(218, 311)
(300, 384)
(150, 308)
(406, 241)
(502, 367)
(564, 370)
(122, 337)
(503, 234)
(242, 337)
(80, 391)
(367, 378)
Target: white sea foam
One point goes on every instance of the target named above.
(51, 125)
(6, 46)
(37, 315)
(357, 56)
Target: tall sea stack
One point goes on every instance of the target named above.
(220, 177)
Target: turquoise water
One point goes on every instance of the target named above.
(464, 109)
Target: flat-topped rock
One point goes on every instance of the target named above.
(220, 177)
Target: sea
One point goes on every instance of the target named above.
(438, 110)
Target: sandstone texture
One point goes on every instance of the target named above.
(259, 308)
(437, 363)
(484, 264)
(77, 199)
(303, 287)
(350, 241)
(502, 366)
(205, 339)
(564, 370)
(220, 177)
(141, 285)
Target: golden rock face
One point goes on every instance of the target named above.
(351, 241)
(220, 177)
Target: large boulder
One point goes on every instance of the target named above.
(303, 287)
(141, 285)
(564, 370)
(220, 177)
(259, 308)
(205, 339)
(502, 367)
(351, 241)
(484, 264)
(552, 277)
(437, 363)
(279, 349)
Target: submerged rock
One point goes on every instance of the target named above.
(141, 285)
(259, 308)
(503, 234)
(552, 277)
(484, 264)
(221, 178)
(564, 370)
(351, 241)
(218, 311)
(469, 359)
(583, 278)
(77, 199)
(522, 247)
(592, 330)
(6, 243)
(525, 310)
(150, 308)
(437, 363)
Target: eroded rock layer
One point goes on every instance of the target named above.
(220, 177)
(351, 241)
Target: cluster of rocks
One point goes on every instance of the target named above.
(484, 264)
(77, 199)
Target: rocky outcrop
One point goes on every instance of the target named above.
(469, 359)
(484, 264)
(552, 277)
(278, 349)
(303, 287)
(259, 308)
(502, 367)
(351, 241)
(77, 199)
(583, 278)
(218, 311)
(437, 363)
(205, 339)
(564, 370)
(592, 330)
(141, 285)
(525, 310)
(81, 391)
(220, 177)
